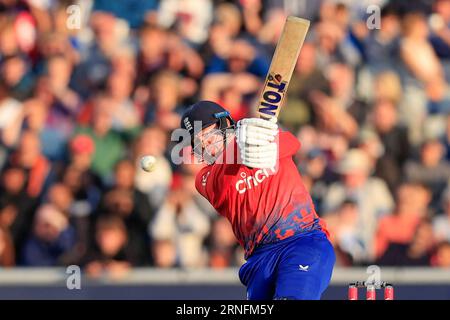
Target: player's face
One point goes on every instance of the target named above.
(210, 142)
(211, 139)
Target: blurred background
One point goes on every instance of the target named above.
(87, 87)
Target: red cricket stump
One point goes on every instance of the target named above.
(371, 290)
(388, 292)
(352, 292)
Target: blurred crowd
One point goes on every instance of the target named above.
(82, 100)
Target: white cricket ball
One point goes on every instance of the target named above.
(148, 163)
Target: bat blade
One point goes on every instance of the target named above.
(282, 66)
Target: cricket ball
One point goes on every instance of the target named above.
(148, 163)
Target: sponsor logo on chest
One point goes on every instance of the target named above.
(249, 182)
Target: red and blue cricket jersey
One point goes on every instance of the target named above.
(264, 206)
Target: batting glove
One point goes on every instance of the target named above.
(256, 142)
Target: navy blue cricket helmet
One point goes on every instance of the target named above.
(208, 113)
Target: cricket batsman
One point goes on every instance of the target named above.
(260, 191)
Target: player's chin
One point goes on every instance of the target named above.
(214, 151)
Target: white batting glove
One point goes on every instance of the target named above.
(256, 142)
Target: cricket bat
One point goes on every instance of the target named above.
(282, 66)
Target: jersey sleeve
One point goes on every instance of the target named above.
(288, 144)
(209, 182)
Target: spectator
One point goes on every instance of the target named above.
(109, 144)
(251, 14)
(164, 253)
(442, 256)
(307, 78)
(416, 253)
(242, 57)
(86, 196)
(329, 36)
(381, 45)
(110, 251)
(51, 238)
(347, 240)
(17, 207)
(7, 257)
(94, 67)
(36, 117)
(314, 167)
(228, 17)
(350, 45)
(82, 149)
(11, 112)
(423, 68)
(369, 142)
(123, 62)
(17, 76)
(131, 205)
(9, 42)
(222, 32)
(439, 37)
(181, 220)
(387, 87)
(415, 50)
(29, 157)
(370, 194)
(161, 50)
(65, 102)
(51, 44)
(61, 106)
(189, 22)
(60, 197)
(152, 56)
(342, 79)
(411, 206)
(182, 58)
(223, 247)
(441, 222)
(332, 116)
(394, 139)
(125, 114)
(430, 170)
(231, 90)
(155, 184)
(272, 29)
(166, 101)
(83, 184)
